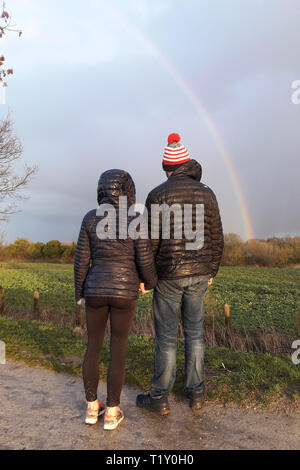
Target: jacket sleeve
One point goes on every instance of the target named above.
(154, 226)
(81, 261)
(144, 259)
(145, 263)
(217, 239)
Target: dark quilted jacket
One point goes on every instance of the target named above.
(112, 267)
(171, 257)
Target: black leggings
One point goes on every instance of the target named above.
(121, 315)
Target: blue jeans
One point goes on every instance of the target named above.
(173, 297)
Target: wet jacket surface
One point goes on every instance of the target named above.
(112, 267)
(172, 259)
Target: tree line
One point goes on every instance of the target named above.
(273, 252)
(23, 249)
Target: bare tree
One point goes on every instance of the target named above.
(11, 184)
(11, 150)
(5, 26)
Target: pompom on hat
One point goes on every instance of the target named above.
(175, 153)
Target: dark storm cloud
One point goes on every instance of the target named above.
(86, 102)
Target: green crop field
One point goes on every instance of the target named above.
(258, 297)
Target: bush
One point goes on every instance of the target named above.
(233, 250)
(18, 249)
(68, 251)
(35, 251)
(52, 249)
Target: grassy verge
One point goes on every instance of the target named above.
(232, 376)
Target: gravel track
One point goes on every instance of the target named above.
(42, 409)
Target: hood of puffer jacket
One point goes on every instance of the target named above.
(191, 168)
(113, 184)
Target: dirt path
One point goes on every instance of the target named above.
(34, 415)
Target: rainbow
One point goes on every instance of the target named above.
(194, 100)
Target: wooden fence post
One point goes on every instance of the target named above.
(2, 300)
(227, 317)
(36, 298)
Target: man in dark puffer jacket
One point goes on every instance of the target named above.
(184, 275)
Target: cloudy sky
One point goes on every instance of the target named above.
(101, 84)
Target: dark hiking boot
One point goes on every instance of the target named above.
(158, 405)
(196, 402)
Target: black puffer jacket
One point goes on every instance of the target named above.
(112, 267)
(172, 259)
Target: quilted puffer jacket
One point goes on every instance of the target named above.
(172, 259)
(112, 267)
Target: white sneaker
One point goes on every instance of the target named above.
(112, 422)
(92, 414)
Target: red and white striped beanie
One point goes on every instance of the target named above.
(175, 153)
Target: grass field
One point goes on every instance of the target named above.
(259, 297)
(231, 376)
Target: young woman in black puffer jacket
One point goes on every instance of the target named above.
(108, 272)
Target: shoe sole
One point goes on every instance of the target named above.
(162, 412)
(91, 421)
(196, 408)
(111, 427)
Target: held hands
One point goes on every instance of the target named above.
(142, 289)
(81, 302)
